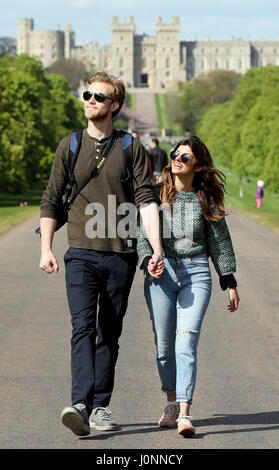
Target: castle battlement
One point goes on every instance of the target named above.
(158, 61)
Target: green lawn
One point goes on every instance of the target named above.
(161, 115)
(133, 103)
(163, 119)
(10, 211)
(267, 215)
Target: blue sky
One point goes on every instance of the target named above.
(218, 19)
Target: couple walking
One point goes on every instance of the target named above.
(100, 271)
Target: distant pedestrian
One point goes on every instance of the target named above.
(259, 193)
(159, 160)
(136, 135)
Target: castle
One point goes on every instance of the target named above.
(160, 61)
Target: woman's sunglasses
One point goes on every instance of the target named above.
(100, 97)
(185, 157)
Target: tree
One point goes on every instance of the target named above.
(35, 113)
(243, 133)
(7, 46)
(73, 70)
(202, 92)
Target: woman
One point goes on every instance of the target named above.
(193, 227)
(259, 194)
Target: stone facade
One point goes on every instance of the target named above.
(160, 61)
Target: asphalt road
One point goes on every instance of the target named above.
(236, 404)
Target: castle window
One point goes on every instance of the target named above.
(227, 65)
(121, 39)
(216, 64)
(167, 62)
(154, 63)
(121, 62)
(202, 64)
(240, 64)
(216, 50)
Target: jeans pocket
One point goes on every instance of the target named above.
(74, 272)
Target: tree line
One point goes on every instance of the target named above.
(237, 117)
(243, 133)
(36, 112)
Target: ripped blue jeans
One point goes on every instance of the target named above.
(177, 303)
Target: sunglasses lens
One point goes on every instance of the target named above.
(173, 154)
(100, 97)
(87, 95)
(185, 158)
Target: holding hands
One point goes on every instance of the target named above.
(156, 265)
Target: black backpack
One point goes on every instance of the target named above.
(74, 148)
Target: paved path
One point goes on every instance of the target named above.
(236, 400)
(146, 110)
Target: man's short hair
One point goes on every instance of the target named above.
(118, 87)
(155, 141)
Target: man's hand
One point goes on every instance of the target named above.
(48, 262)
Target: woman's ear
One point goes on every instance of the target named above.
(198, 167)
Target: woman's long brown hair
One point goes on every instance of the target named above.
(208, 183)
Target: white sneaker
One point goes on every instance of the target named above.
(169, 416)
(76, 418)
(185, 426)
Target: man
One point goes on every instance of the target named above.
(159, 160)
(136, 135)
(99, 269)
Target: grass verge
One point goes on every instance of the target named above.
(267, 215)
(133, 102)
(164, 120)
(10, 211)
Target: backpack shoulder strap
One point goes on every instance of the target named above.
(127, 145)
(74, 148)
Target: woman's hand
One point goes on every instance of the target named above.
(233, 300)
(155, 270)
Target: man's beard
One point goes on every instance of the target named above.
(96, 114)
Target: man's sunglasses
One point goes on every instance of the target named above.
(185, 157)
(100, 97)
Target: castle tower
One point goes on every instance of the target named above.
(24, 28)
(122, 50)
(168, 52)
(69, 41)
